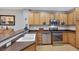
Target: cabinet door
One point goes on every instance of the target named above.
(74, 17)
(71, 38)
(52, 16)
(57, 16)
(36, 18)
(77, 13)
(65, 37)
(42, 17)
(47, 18)
(77, 33)
(63, 17)
(31, 18)
(70, 18)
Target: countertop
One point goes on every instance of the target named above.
(6, 36)
(60, 28)
(19, 46)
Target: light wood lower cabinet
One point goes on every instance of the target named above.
(77, 33)
(65, 37)
(31, 48)
(77, 42)
(72, 38)
(39, 37)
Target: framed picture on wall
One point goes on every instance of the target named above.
(7, 20)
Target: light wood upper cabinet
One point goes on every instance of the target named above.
(40, 18)
(57, 16)
(63, 17)
(74, 17)
(31, 18)
(36, 18)
(44, 17)
(77, 13)
(52, 16)
(47, 18)
(70, 18)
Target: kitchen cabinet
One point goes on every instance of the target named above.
(31, 18)
(72, 38)
(65, 37)
(72, 17)
(63, 17)
(52, 16)
(39, 37)
(48, 18)
(77, 33)
(42, 18)
(36, 18)
(77, 13)
(57, 16)
(30, 48)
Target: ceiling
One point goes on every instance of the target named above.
(40, 8)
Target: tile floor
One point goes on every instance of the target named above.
(63, 47)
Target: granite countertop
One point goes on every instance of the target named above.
(6, 36)
(60, 28)
(19, 46)
(22, 43)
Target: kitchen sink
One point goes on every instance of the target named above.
(27, 37)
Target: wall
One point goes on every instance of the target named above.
(19, 17)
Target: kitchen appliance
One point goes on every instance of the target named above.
(54, 24)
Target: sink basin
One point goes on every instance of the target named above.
(27, 37)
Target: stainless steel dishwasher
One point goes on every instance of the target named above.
(46, 37)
